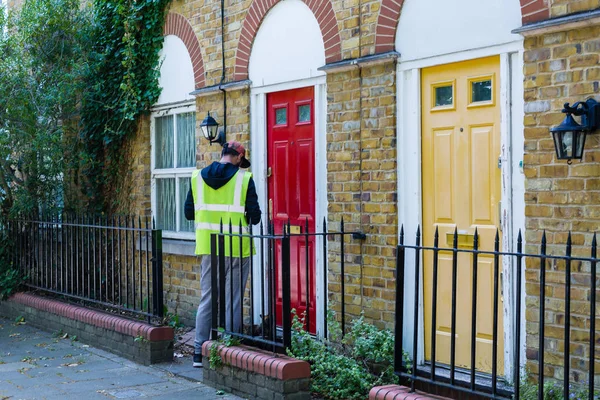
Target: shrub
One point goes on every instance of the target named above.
(350, 368)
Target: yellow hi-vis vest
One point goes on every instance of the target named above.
(225, 204)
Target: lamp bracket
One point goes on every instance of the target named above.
(220, 139)
(589, 111)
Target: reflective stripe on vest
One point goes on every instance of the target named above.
(235, 207)
(225, 206)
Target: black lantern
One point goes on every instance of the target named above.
(569, 136)
(210, 130)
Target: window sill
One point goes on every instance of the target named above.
(177, 247)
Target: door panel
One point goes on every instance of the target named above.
(291, 162)
(461, 190)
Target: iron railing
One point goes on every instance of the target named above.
(470, 379)
(113, 262)
(271, 264)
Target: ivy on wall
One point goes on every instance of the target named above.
(123, 85)
(76, 78)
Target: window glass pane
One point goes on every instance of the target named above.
(481, 91)
(281, 116)
(444, 96)
(164, 142)
(186, 142)
(165, 204)
(304, 113)
(184, 224)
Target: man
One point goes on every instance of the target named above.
(222, 192)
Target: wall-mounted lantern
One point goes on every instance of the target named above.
(569, 136)
(210, 130)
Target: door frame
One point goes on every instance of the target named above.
(258, 148)
(410, 203)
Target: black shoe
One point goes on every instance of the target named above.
(197, 360)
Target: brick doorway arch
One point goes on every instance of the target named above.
(323, 12)
(389, 16)
(178, 25)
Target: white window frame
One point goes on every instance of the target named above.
(169, 172)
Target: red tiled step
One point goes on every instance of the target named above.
(249, 359)
(397, 392)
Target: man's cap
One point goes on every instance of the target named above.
(240, 149)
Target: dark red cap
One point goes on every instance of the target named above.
(240, 149)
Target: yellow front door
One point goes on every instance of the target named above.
(461, 189)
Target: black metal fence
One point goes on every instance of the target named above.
(271, 270)
(490, 383)
(112, 262)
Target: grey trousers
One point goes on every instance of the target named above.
(204, 314)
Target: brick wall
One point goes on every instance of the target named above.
(559, 8)
(361, 187)
(560, 66)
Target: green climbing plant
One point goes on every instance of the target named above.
(123, 85)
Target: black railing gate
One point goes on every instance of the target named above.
(471, 380)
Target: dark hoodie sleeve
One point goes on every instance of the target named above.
(189, 206)
(252, 207)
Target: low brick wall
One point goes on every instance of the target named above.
(254, 374)
(106, 331)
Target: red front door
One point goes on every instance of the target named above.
(291, 171)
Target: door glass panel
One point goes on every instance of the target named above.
(186, 146)
(165, 204)
(164, 142)
(281, 116)
(304, 113)
(444, 96)
(184, 187)
(481, 91)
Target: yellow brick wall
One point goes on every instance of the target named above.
(361, 188)
(559, 8)
(560, 67)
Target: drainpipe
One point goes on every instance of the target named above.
(223, 69)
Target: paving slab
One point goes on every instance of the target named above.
(40, 365)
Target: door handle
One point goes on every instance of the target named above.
(271, 209)
(269, 172)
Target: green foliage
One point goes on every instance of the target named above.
(348, 370)
(226, 340)
(43, 56)
(10, 278)
(140, 339)
(123, 84)
(75, 78)
(553, 390)
(171, 319)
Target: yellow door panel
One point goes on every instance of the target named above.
(461, 190)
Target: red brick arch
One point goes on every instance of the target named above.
(389, 16)
(178, 25)
(323, 12)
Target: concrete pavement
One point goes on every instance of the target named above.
(35, 364)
